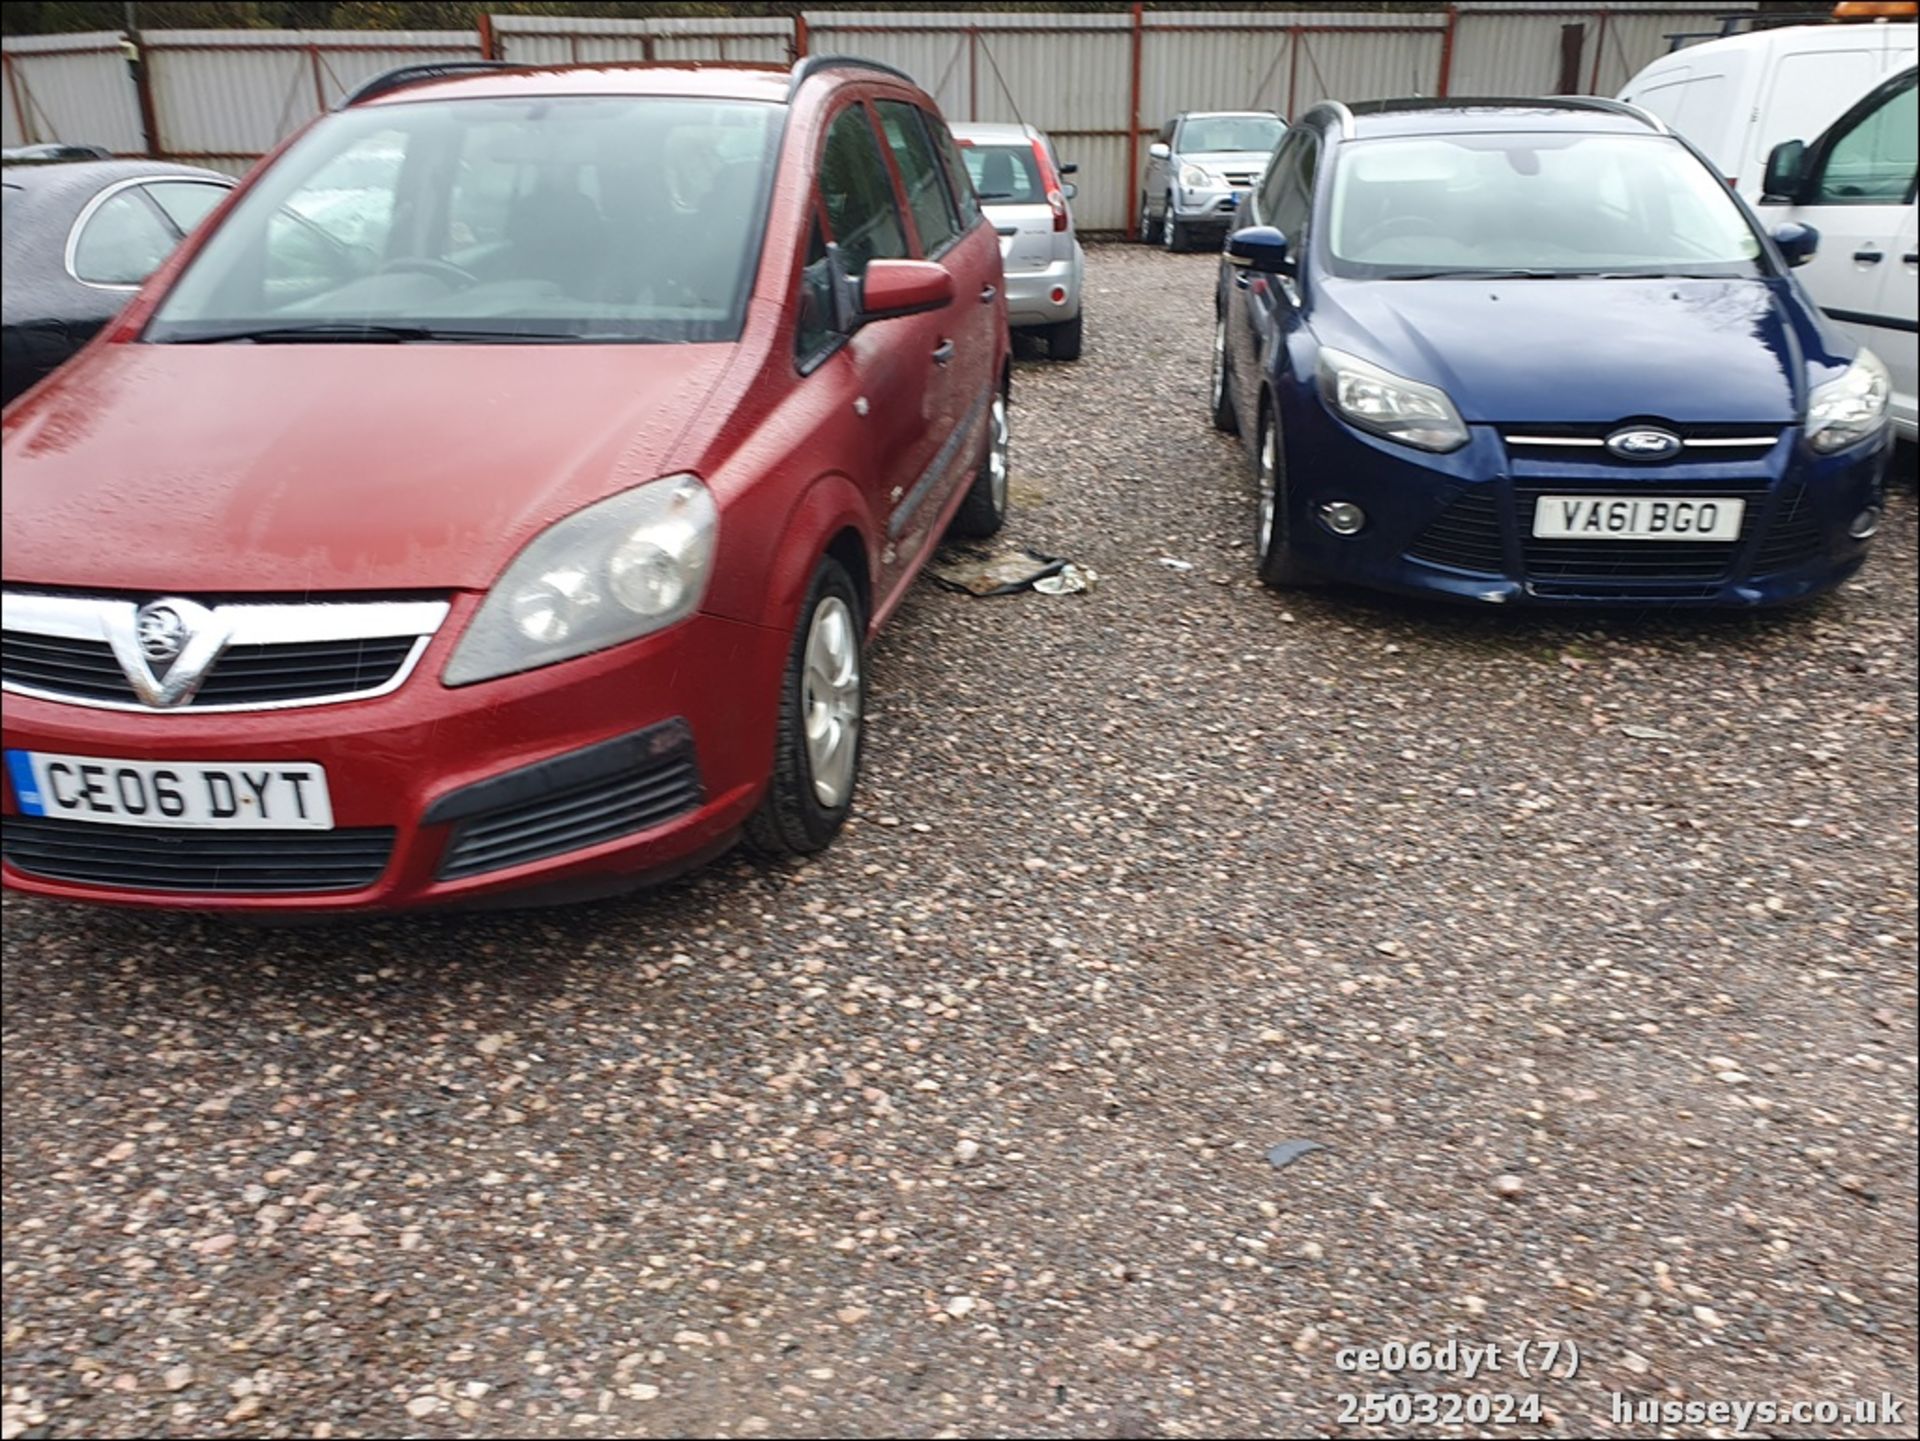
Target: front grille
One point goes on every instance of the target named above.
(243, 675)
(1465, 537)
(572, 818)
(1701, 444)
(1676, 568)
(1794, 538)
(1239, 177)
(84, 669)
(141, 858)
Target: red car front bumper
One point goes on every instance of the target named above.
(458, 776)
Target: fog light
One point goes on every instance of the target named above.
(1865, 523)
(1342, 517)
(1058, 295)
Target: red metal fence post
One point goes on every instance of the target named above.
(1293, 70)
(143, 92)
(485, 24)
(801, 39)
(1446, 51)
(21, 115)
(973, 72)
(1133, 121)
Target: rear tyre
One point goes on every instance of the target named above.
(984, 510)
(816, 754)
(1220, 381)
(1273, 544)
(1149, 227)
(1063, 340)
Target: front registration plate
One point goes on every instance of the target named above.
(281, 796)
(1620, 517)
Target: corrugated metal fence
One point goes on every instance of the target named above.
(1100, 83)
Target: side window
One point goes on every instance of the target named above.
(123, 241)
(861, 210)
(1293, 207)
(1873, 163)
(920, 168)
(1267, 204)
(957, 177)
(1166, 132)
(187, 202)
(815, 331)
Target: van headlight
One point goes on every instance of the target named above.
(617, 570)
(1409, 411)
(1195, 178)
(1851, 407)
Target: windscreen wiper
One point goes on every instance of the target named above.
(1469, 273)
(317, 333)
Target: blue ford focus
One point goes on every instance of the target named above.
(1534, 351)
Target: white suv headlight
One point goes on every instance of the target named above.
(1850, 407)
(1194, 178)
(617, 570)
(1409, 411)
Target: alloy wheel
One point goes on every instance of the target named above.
(1269, 502)
(1217, 381)
(831, 701)
(997, 453)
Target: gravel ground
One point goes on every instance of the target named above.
(1584, 946)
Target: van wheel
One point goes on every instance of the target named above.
(1220, 380)
(816, 752)
(984, 510)
(1063, 340)
(1149, 227)
(1273, 544)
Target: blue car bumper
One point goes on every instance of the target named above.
(1460, 525)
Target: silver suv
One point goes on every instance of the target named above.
(1021, 187)
(1199, 171)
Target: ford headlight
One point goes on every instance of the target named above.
(1195, 178)
(617, 570)
(1390, 405)
(1851, 407)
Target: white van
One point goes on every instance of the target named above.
(1739, 97)
(1854, 182)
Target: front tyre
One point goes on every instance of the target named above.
(1220, 381)
(1149, 227)
(816, 755)
(1272, 539)
(984, 510)
(1173, 234)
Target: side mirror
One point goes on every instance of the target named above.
(1159, 150)
(1069, 169)
(1785, 162)
(904, 287)
(1070, 190)
(1797, 242)
(1259, 247)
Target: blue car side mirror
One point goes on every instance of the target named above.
(1259, 247)
(1797, 242)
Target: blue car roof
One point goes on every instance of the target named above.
(1374, 118)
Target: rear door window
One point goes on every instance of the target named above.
(933, 212)
(187, 202)
(958, 175)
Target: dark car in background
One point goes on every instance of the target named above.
(1534, 351)
(80, 237)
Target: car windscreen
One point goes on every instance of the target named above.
(1228, 134)
(1005, 174)
(590, 218)
(1546, 203)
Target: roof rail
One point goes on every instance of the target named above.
(812, 65)
(1523, 102)
(406, 75)
(1340, 113)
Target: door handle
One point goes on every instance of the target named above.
(943, 352)
(1242, 279)
(1869, 257)
(987, 292)
(1912, 257)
